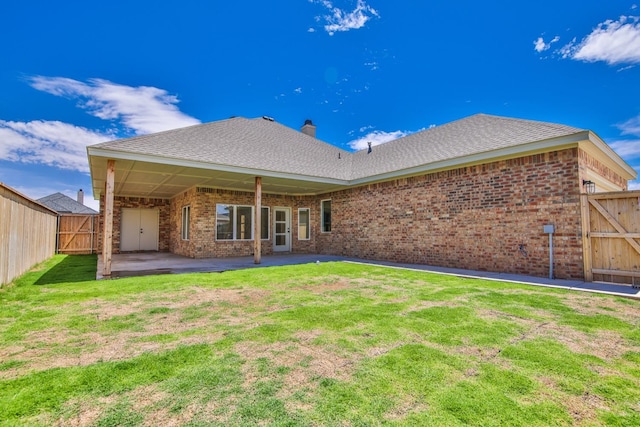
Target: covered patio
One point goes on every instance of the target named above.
(152, 263)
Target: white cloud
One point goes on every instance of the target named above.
(373, 65)
(298, 90)
(631, 126)
(613, 42)
(52, 143)
(143, 109)
(341, 20)
(540, 46)
(376, 137)
(627, 149)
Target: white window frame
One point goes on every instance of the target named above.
(322, 224)
(308, 210)
(234, 230)
(186, 222)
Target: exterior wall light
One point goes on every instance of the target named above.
(589, 186)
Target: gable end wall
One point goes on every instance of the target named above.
(588, 162)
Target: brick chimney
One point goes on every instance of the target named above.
(309, 128)
(81, 196)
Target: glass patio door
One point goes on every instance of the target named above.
(281, 229)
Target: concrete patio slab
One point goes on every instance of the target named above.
(153, 263)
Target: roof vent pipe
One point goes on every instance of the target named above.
(309, 128)
(369, 144)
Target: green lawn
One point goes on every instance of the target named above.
(320, 344)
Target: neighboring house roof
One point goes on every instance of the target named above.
(241, 148)
(65, 204)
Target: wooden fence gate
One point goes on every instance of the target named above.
(77, 234)
(611, 237)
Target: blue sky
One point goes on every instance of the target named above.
(75, 73)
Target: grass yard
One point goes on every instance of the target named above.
(320, 344)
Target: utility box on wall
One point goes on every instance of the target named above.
(549, 229)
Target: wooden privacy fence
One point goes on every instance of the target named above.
(77, 234)
(27, 233)
(611, 237)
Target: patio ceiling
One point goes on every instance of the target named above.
(136, 178)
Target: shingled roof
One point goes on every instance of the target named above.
(267, 145)
(473, 135)
(242, 148)
(65, 204)
(246, 143)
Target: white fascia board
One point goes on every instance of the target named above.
(509, 152)
(607, 150)
(97, 152)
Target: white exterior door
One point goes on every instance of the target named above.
(139, 230)
(281, 229)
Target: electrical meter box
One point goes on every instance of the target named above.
(548, 229)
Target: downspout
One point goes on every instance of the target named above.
(549, 229)
(550, 255)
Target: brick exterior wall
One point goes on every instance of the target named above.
(488, 217)
(202, 242)
(139, 203)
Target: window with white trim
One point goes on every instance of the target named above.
(235, 222)
(304, 223)
(325, 216)
(186, 220)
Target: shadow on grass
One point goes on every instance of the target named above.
(72, 268)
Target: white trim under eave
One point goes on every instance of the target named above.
(606, 149)
(107, 154)
(494, 155)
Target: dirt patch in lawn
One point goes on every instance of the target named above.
(305, 363)
(583, 409)
(160, 330)
(328, 286)
(590, 305)
(147, 400)
(83, 412)
(606, 345)
(178, 300)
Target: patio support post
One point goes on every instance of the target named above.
(257, 249)
(107, 238)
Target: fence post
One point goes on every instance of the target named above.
(586, 237)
